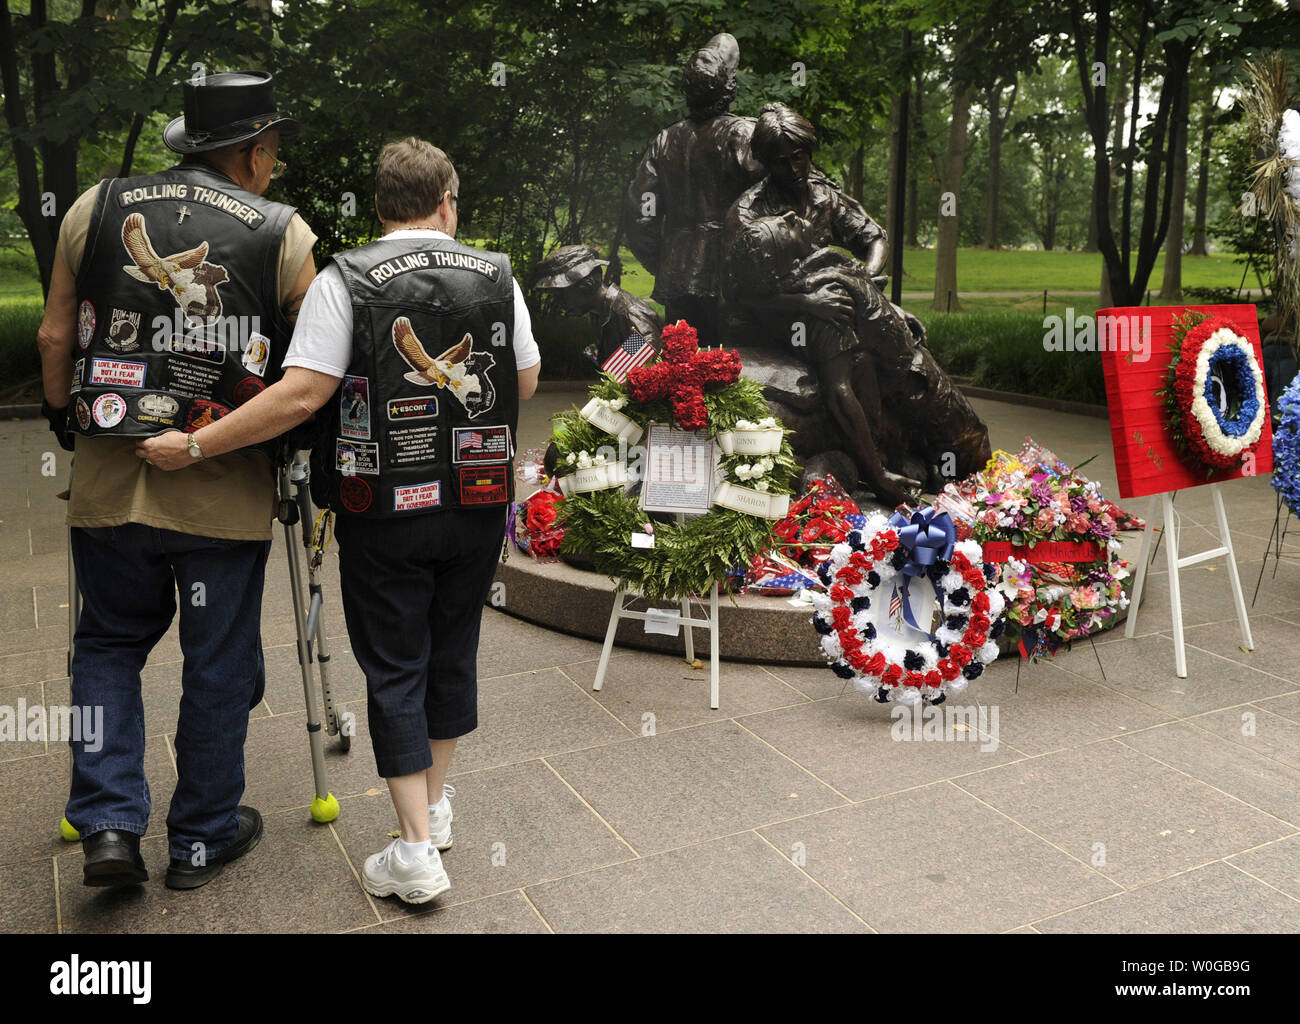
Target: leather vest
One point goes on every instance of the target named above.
(179, 318)
(425, 418)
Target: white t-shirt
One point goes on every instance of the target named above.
(322, 339)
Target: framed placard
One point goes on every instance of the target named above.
(679, 469)
(1134, 341)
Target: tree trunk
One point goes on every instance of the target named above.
(855, 173)
(894, 126)
(945, 263)
(1171, 288)
(1202, 181)
(913, 207)
(997, 126)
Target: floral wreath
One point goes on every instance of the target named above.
(1286, 448)
(1213, 393)
(877, 563)
(694, 390)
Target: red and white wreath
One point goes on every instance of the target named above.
(873, 645)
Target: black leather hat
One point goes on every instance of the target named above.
(226, 108)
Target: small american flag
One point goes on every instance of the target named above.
(471, 441)
(633, 352)
(895, 606)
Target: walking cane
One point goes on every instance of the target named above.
(296, 508)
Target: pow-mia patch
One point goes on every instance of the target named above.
(123, 331)
(483, 485)
(436, 259)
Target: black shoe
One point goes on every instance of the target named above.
(181, 874)
(113, 858)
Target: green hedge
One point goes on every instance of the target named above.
(1004, 351)
(19, 359)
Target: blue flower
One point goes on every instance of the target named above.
(1286, 448)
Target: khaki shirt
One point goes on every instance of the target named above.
(231, 497)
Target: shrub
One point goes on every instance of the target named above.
(19, 359)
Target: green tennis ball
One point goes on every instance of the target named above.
(325, 810)
(69, 834)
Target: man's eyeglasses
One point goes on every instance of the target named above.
(278, 166)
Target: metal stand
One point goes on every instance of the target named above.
(295, 508)
(1170, 532)
(1279, 531)
(711, 624)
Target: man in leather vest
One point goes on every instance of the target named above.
(171, 303)
(687, 180)
(417, 350)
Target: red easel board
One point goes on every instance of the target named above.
(1146, 458)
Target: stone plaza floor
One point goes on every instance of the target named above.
(1131, 803)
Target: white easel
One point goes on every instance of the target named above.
(620, 611)
(1175, 563)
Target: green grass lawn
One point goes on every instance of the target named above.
(982, 270)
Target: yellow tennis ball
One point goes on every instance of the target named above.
(68, 833)
(325, 810)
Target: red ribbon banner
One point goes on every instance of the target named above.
(1043, 551)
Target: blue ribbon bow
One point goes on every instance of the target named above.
(927, 537)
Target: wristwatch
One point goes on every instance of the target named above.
(195, 451)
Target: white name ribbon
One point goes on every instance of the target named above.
(611, 422)
(597, 478)
(750, 442)
(751, 502)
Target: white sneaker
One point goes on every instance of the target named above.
(440, 824)
(417, 882)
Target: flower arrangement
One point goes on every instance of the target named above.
(818, 520)
(536, 529)
(696, 391)
(1286, 448)
(1036, 498)
(1213, 393)
(896, 661)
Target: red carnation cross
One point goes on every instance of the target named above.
(682, 374)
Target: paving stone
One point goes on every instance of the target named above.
(1248, 775)
(1276, 643)
(1143, 669)
(1211, 899)
(508, 645)
(295, 880)
(513, 826)
(1277, 863)
(1053, 707)
(708, 782)
(1256, 728)
(531, 714)
(28, 904)
(34, 794)
(20, 734)
(857, 745)
(507, 914)
(640, 683)
(1287, 706)
(1110, 802)
(936, 860)
(705, 888)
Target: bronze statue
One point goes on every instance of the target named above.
(786, 289)
(573, 273)
(688, 178)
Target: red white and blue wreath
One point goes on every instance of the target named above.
(879, 579)
(1213, 393)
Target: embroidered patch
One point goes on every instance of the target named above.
(355, 494)
(417, 496)
(483, 485)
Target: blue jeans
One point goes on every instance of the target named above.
(129, 576)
